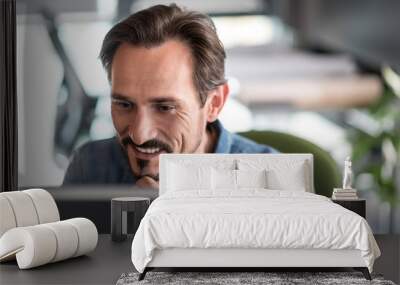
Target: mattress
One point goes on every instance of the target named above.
(250, 219)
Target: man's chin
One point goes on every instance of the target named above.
(150, 169)
(144, 167)
(154, 177)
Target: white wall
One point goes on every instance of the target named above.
(39, 74)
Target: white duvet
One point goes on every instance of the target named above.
(250, 219)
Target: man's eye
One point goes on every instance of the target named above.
(165, 108)
(122, 104)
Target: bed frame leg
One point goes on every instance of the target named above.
(143, 274)
(364, 271)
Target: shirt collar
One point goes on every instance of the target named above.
(224, 142)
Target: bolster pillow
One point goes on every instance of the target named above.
(26, 208)
(40, 244)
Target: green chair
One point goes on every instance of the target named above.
(326, 172)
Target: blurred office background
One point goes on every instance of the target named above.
(326, 71)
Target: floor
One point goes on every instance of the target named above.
(389, 262)
(106, 264)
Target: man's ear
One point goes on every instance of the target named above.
(215, 101)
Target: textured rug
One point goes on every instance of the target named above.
(230, 278)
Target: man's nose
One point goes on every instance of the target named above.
(142, 128)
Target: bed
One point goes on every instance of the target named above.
(245, 211)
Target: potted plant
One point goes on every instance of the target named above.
(376, 151)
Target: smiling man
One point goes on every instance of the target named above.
(166, 69)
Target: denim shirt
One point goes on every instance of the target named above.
(105, 162)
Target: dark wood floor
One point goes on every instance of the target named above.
(389, 262)
(110, 260)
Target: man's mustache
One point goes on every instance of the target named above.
(153, 143)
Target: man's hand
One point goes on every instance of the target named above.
(147, 182)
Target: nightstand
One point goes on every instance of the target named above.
(357, 205)
(120, 219)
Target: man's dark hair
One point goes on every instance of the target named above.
(155, 25)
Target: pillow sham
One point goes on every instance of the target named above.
(182, 177)
(251, 178)
(285, 174)
(293, 180)
(227, 179)
(223, 179)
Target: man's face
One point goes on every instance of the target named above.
(155, 105)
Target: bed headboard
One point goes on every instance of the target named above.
(215, 159)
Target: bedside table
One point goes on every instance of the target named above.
(120, 219)
(357, 205)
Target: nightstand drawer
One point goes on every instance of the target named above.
(357, 206)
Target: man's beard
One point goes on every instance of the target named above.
(156, 143)
(142, 163)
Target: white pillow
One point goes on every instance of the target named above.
(227, 179)
(251, 178)
(282, 174)
(182, 177)
(292, 178)
(223, 179)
